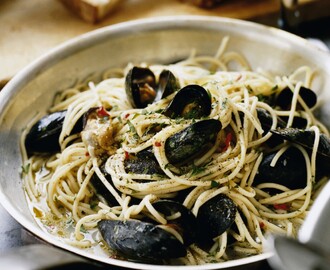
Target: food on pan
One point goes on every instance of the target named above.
(187, 163)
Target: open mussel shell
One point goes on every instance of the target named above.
(185, 223)
(215, 217)
(191, 141)
(305, 138)
(190, 102)
(167, 84)
(289, 170)
(284, 98)
(140, 85)
(141, 241)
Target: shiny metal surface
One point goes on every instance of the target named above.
(162, 40)
(312, 248)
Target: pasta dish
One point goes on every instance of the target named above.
(186, 163)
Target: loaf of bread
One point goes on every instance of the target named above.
(204, 3)
(91, 11)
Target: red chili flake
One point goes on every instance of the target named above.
(101, 112)
(158, 144)
(262, 225)
(126, 155)
(127, 115)
(87, 154)
(229, 137)
(281, 206)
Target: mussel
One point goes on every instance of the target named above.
(100, 187)
(43, 137)
(305, 138)
(191, 141)
(142, 89)
(147, 242)
(284, 98)
(215, 217)
(190, 102)
(167, 84)
(289, 170)
(144, 162)
(185, 223)
(141, 241)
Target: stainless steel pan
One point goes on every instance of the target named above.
(153, 40)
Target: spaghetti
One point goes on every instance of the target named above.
(65, 201)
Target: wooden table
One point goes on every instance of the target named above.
(31, 28)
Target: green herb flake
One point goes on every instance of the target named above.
(224, 104)
(261, 97)
(214, 184)
(249, 88)
(83, 229)
(26, 168)
(196, 170)
(133, 130)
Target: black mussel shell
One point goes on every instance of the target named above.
(140, 86)
(143, 162)
(101, 189)
(305, 138)
(190, 102)
(186, 224)
(284, 98)
(215, 217)
(266, 120)
(43, 136)
(141, 241)
(192, 141)
(289, 170)
(167, 84)
(298, 122)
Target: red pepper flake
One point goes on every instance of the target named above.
(126, 155)
(101, 112)
(158, 144)
(229, 137)
(87, 154)
(262, 225)
(282, 206)
(127, 115)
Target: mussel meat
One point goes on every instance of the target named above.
(191, 141)
(215, 217)
(142, 89)
(141, 241)
(190, 102)
(140, 86)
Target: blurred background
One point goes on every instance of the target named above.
(31, 28)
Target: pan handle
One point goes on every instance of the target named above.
(38, 256)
